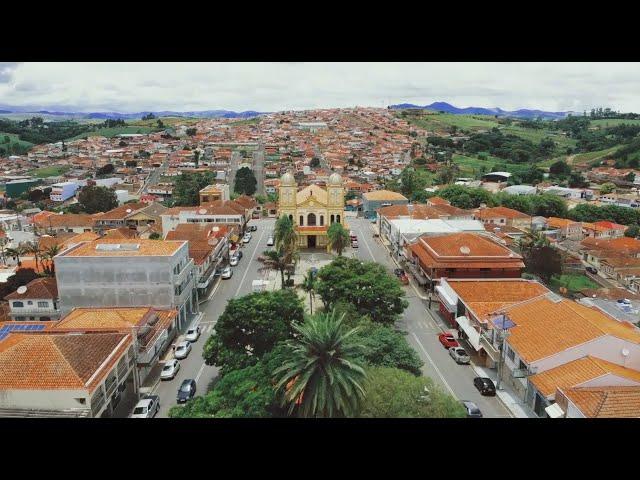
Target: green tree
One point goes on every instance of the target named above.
(384, 346)
(275, 260)
(606, 188)
(94, 199)
(245, 393)
(633, 231)
(155, 236)
(394, 393)
(192, 131)
(544, 261)
(245, 181)
(466, 197)
(308, 285)
(560, 168)
(315, 162)
(320, 376)
(366, 285)
(338, 238)
(286, 238)
(188, 185)
(105, 170)
(251, 326)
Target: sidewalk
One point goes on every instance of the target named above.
(517, 408)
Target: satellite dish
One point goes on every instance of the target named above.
(128, 210)
(464, 250)
(625, 352)
(22, 290)
(202, 211)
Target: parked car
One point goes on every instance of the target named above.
(398, 272)
(485, 386)
(246, 239)
(233, 260)
(193, 334)
(182, 350)
(472, 409)
(448, 340)
(253, 228)
(404, 279)
(187, 390)
(170, 369)
(270, 242)
(591, 270)
(354, 244)
(227, 273)
(460, 355)
(147, 407)
(239, 254)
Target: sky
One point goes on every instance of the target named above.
(267, 87)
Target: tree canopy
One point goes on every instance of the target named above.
(94, 199)
(245, 181)
(251, 326)
(188, 185)
(366, 285)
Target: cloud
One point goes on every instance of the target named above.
(130, 87)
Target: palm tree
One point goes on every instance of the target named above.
(48, 255)
(275, 260)
(532, 240)
(33, 248)
(286, 237)
(338, 238)
(15, 253)
(309, 286)
(320, 377)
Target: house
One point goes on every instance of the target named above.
(599, 402)
(220, 212)
(520, 190)
(64, 374)
(376, 199)
(137, 216)
(462, 255)
(69, 222)
(568, 229)
(594, 251)
(603, 229)
(212, 193)
(116, 273)
(36, 301)
(63, 191)
(155, 329)
(503, 216)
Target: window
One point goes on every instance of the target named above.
(337, 218)
(43, 304)
(321, 220)
(511, 354)
(18, 304)
(333, 219)
(522, 365)
(29, 302)
(301, 221)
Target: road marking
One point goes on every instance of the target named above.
(366, 243)
(434, 365)
(215, 289)
(249, 263)
(200, 372)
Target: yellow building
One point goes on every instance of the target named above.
(312, 209)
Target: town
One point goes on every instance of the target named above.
(485, 266)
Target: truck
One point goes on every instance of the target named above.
(259, 285)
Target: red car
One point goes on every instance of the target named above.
(447, 340)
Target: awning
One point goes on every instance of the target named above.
(554, 411)
(473, 336)
(449, 302)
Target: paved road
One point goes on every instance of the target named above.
(238, 285)
(423, 327)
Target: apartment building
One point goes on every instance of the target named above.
(128, 273)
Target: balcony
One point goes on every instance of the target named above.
(178, 279)
(487, 345)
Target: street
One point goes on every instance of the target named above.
(238, 285)
(421, 325)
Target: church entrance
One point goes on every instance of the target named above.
(311, 241)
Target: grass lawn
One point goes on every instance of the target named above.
(247, 121)
(471, 166)
(112, 132)
(14, 140)
(536, 135)
(612, 122)
(167, 121)
(573, 282)
(52, 171)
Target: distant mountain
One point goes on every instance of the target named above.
(448, 108)
(63, 112)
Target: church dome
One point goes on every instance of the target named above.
(287, 179)
(335, 179)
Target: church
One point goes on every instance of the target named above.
(312, 209)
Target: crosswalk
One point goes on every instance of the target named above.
(206, 327)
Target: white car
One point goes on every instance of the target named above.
(226, 273)
(182, 350)
(233, 260)
(246, 239)
(193, 334)
(170, 370)
(459, 355)
(148, 407)
(270, 242)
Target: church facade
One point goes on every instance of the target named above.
(312, 209)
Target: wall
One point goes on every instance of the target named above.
(43, 399)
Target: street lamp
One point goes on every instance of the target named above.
(504, 323)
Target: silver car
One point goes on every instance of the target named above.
(192, 334)
(148, 407)
(170, 369)
(459, 355)
(182, 350)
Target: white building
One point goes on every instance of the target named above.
(63, 191)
